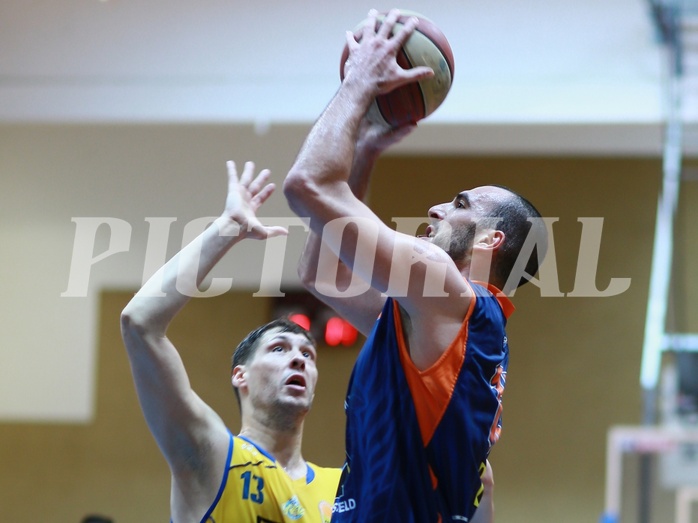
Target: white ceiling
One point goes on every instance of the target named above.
(559, 69)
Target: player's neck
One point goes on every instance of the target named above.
(283, 445)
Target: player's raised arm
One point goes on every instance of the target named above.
(361, 310)
(189, 433)
(317, 186)
(326, 158)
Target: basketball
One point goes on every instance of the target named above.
(414, 101)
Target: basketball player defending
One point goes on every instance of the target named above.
(259, 475)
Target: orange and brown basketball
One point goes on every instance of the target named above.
(426, 46)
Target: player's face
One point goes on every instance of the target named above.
(282, 372)
(455, 225)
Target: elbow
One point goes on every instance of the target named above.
(298, 190)
(293, 188)
(131, 322)
(138, 330)
(127, 321)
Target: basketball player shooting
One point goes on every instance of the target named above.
(425, 399)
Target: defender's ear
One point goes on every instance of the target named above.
(238, 377)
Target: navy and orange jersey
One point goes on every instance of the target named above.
(416, 440)
(255, 489)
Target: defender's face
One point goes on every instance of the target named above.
(282, 371)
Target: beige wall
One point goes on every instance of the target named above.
(574, 368)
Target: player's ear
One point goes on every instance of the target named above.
(491, 240)
(498, 238)
(238, 377)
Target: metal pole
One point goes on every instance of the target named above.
(662, 256)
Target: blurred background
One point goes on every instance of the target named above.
(117, 117)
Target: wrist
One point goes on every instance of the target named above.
(228, 227)
(357, 93)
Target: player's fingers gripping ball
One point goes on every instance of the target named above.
(426, 46)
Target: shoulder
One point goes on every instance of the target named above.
(325, 474)
(244, 450)
(496, 298)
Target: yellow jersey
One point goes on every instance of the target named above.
(256, 489)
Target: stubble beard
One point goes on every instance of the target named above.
(286, 416)
(459, 244)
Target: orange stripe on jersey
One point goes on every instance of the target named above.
(504, 302)
(434, 479)
(432, 388)
(496, 382)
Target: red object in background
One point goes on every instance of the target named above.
(300, 319)
(306, 310)
(339, 331)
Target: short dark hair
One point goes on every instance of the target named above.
(519, 218)
(248, 346)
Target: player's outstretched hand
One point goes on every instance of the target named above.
(246, 194)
